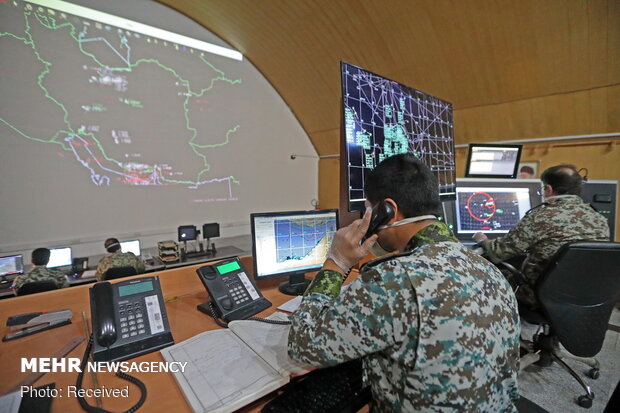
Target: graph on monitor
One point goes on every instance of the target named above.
(383, 118)
(295, 242)
(492, 210)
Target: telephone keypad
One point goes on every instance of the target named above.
(131, 319)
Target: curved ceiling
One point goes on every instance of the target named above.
(472, 54)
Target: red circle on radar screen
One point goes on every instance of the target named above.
(489, 202)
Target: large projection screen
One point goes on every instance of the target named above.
(125, 121)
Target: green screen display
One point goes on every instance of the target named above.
(135, 288)
(228, 267)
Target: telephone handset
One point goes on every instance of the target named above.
(233, 294)
(128, 319)
(381, 214)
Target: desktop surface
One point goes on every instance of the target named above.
(182, 292)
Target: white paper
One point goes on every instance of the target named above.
(222, 373)
(89, 274)
(9, 403)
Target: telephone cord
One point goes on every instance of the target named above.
(131, 379)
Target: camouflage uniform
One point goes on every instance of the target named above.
(119, 259)
(41, 273)
(437, 327)
(541, 232)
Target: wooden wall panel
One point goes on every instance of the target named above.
(576, 113)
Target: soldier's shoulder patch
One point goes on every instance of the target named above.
(537, 208)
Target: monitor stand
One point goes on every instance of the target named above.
(296, 284)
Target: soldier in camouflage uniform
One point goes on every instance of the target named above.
(40, 258)
(117, 258)
(436, 325)
(561, 219)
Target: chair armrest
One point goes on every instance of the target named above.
(517, 275)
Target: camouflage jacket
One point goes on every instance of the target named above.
(119, 259)
(41, 273)
(541, 232)
(437, 328)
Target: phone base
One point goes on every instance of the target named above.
(297, 288)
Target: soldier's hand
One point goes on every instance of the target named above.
(346, 249)
(479, 237)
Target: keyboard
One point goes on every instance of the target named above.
(329, 390)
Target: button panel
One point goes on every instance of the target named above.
(131, 320)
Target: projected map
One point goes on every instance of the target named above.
(490, 211)
(303, 239)
(383, 118)
(126, 107)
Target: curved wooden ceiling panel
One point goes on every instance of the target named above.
(469, 53)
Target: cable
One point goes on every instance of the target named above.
(127, 377)
(269, 321)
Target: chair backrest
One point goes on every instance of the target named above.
(37, 287)
(578, 291)
(119, 272)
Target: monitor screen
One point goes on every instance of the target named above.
(490, 210)
(59, 257)
(291, 242)
(493, 161)
(187, 233)
(131, 246)
(13, 264)
(384, 118)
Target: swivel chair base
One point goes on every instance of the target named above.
(545, 349)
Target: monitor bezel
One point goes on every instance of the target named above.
(253, 216)
(515, 171)
(21, 256)
(359, 206)
(64, 265)
(132, 240)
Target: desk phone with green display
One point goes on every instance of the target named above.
(233, 293)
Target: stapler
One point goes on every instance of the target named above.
(22, 325)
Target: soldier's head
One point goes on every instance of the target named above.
(410, 187)
(112, 245)
(40, 256)
(561, 180)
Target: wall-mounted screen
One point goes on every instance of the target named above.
(383, 118)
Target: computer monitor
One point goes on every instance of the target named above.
(493, 161)
(131, 246)
(60, 257)
(532, 186)
(187, 233)
(382, 118)
(291, 244)
(11, 264)
(490, 210)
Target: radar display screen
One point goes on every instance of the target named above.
(384, 118)
(490, 210)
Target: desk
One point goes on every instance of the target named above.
(164, 394)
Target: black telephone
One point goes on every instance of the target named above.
(80, 264)
(128, 319)
(233, 294)
(381, 214)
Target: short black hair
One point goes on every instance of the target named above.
(112, 245)
(408, 181)
(564, 179)
(40, 256)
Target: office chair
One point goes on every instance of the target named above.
(37, 287)
(119, 272)
(577, 293)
